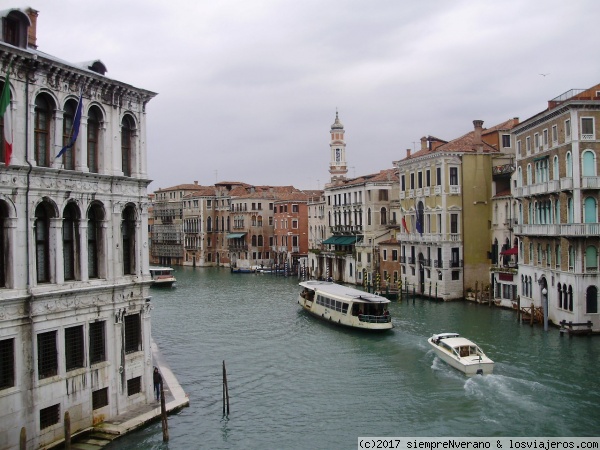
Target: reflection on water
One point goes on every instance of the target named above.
(296, 382)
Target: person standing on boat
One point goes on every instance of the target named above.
(157, 377)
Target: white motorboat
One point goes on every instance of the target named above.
(461, 353)
(344, 305)
(162, 276)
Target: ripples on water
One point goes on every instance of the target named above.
(296, 382)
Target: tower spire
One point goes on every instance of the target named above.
(337, 165)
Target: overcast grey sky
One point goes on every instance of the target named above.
(248, 89)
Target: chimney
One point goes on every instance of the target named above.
(515, 121)
(196, 182)
(408, 152)
(32, 31)
(423, 143)
(478, 124)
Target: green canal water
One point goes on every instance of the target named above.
(298, 383)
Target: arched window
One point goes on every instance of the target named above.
(369, 216)
(128, 235)
(209, 224)
(571, 258)
(126, 145)
(4, 257)
(94, 240)
(420, 225)
(569, 165)
(519, 177)
(70, 236)
(555, 172)
(570, 297)
(253, 240)
(591, 300)
(590, 210)
(383, 214)
(559, 296)
(557, 255)
(557, 211)
(253, 221)
(591, 258)
(570, 210)
(588, 163)
(68, 121)
(43, 214)
(529, 174)
(93, 137)
(42, 130)
(260, 240)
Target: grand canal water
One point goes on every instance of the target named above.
(298, 383)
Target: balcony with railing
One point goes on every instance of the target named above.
(438, 263)
(454, 189)
(559, 229)
(454, 263)
(590, 182)
(566, 184)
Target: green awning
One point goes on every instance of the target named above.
(340, 240)
(235, 235)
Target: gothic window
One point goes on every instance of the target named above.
(43, 214)
(94, 239)
(70, 235)
(68, 121)
(128, 240)
(127, 127)
(43, 120)
(93, 133)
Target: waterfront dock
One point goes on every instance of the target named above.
(102, 434)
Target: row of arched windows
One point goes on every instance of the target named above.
(539, 172)
(548, 211)
(46, 113)
(69, 246)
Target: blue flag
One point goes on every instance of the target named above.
(75, 129)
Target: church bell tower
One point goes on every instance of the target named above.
(337, 165)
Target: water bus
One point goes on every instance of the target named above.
(345, 305)
(162, 276)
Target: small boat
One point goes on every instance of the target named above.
(242, 270)
(162, 276)
(344, 305)
(461, 353)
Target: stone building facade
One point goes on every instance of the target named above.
(74, 286)
(558, 189)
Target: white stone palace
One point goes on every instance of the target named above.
(74, 281)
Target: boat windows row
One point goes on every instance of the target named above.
(332, 304)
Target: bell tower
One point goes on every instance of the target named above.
(337, 165)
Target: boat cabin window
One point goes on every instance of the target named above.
(336, 305)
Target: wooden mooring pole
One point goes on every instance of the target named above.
(23, 439)
(67, 427)
(225, 390)
(163, 414)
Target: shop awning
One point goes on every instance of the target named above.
(235, 235)
(340, 240)
(510, 251)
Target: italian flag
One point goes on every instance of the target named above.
(6, 113)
